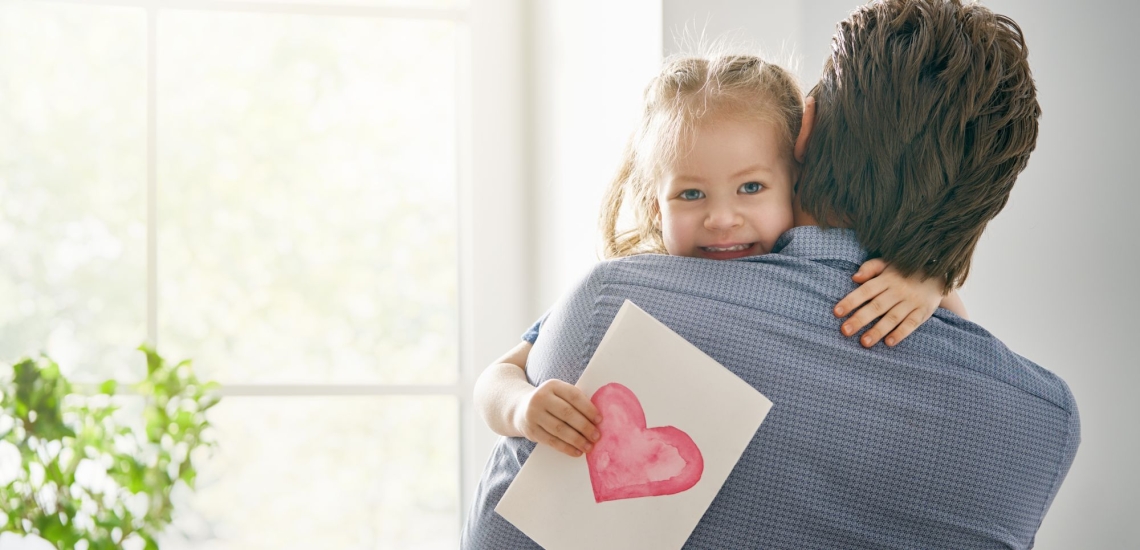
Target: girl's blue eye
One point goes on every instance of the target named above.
(692, 194)
(751, 188)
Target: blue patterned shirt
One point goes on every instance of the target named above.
(948, 440)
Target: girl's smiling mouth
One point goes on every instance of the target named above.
(728, 251)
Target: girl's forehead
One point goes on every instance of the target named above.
(723, 146)
(753, 134)
(721, 123)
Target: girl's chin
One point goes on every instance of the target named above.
(751, 250)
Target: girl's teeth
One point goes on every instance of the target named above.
(729, 249)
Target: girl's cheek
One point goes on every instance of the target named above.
(672, 247)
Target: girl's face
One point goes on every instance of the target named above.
(730, 195)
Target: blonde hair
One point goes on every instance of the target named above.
(688, 91)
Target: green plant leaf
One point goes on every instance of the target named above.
(45, 412)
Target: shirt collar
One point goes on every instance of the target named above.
(812, 243)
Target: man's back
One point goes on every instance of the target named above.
(948, 440)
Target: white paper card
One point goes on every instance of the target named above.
(637, 497)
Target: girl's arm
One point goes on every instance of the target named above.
(904, 303)
(555, 413)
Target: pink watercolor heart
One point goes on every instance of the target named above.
(632, 461)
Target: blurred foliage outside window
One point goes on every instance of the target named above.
(88, 472)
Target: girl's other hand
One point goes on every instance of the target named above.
(560, 415)
(902, 303)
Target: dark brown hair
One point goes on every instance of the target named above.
(926, 113)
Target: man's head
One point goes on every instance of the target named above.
(925, 114)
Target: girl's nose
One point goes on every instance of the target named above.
(721, 217)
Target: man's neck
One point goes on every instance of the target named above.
(801, 218)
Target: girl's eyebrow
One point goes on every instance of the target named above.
(751, 169)
(682, 178)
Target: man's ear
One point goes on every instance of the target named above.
(806, 126)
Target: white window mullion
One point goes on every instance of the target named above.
(326, 390)
(466, 264)
(339, 389)
(151, 177)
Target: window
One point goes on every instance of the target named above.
(275, 189)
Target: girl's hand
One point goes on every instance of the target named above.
(560, 415)
(904, 303)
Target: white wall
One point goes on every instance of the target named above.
(1053, 275)
(1056, 268)
(492, 236)
(590, 61)
(773, 29)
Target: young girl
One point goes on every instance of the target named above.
(709, 173)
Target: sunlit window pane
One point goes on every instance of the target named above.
(307, 209)
(73, 186)
(325, 472)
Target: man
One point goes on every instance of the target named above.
(924, 116)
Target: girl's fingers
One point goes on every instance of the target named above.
(852, 301)
(577, 398)
(565, 433)
(885, 325)
(570, 416)
(870, 311)
(912, 321)
(857, 298)
(869, 270)
(559, 445)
